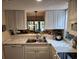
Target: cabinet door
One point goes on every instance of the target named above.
(61, 19)
(43, 52)
(10, 19)
(72, 8)
(13, 52)
(37, 52)
(15, 19)
(55, 19)
(42, 55)
(30, 55)
(20, 21)
(30, 52)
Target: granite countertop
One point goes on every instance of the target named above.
(15, 41)
(22, 39)
(60, 46)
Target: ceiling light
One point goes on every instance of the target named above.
(38, 0)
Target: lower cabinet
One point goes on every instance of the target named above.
(29, 51)
(37, 52)
(42, 55)
(54, 55)
(13, 52)
(30, 55)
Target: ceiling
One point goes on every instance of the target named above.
(32, 5)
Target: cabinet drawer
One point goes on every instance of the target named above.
(13, 45)
(43, 48)
(29, 49)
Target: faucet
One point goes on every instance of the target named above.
(37, 36)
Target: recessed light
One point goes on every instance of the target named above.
(38, 0)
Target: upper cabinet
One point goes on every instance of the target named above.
(10, 19)
(15, 19)
(20, 19)
(72, 17)
(55, 19)
(72, 9)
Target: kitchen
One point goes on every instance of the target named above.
(39, 30)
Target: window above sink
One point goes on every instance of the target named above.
(38, 27)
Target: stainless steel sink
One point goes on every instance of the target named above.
(30, 41)
(35, 40)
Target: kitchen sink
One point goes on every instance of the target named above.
(35, 40)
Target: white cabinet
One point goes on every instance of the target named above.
(20, 21)
(72, 15)
(30, 55)
(37, 52)
(10, 19)
(43, 52)
(55, 19)
(15, 19)
(13, 52)
(61, 18)
(29, 51)
(72, 9)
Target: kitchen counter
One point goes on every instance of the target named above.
(22, 39)
(60, 46)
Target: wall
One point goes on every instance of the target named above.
(5, 34)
